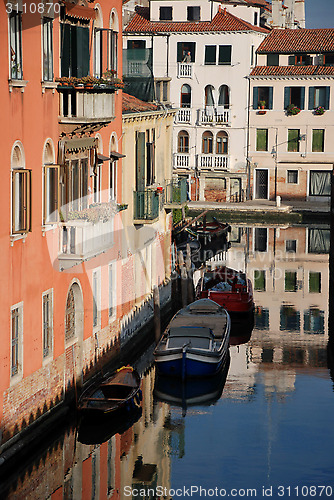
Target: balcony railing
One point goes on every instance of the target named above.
(82, 240)
(145, 206)
(184, 70)
(213, 161)
(176, 192)
(181, 160)
(213, 116)
(183, 115)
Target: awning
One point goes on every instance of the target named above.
(114, 155)
(101, 158)
(75, 145)
(79, 11)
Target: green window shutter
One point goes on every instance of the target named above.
(314, 282)
(224, 54)
(65, 31)
(286, 97)
(82, 51)
(262, 139)
(272, 59)
(255, 97)
(210, 54)
(293, 140)
(318, 136)
(327, 97)
(311, 98)
(302, 97)
(290, 281)
(291, 60)
(179, 51)
(140, 160)
(270, 104)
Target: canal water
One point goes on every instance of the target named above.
(262, 428)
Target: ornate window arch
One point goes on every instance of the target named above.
(221, 143)
(185, 98)
(207, 142)
(183, 142)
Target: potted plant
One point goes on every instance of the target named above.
(319, 110)
(292, 109)
(262, 104)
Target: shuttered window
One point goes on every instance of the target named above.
(318, 140)
(225, 54)
(21, 201)
(293, 140)
(210, 54)
(318, 96)
(74, 50)
(263, 94)
(262, 139)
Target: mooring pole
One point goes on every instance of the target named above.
(156, 311)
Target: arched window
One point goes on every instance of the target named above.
(21, 193)
(224, 97)
(51, 185)
(113, 42)
(207, 142)
(208, 96)
(183, 142)
(185, 101)
(221, 143)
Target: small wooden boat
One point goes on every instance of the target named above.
(229, 288)
(209, 231)
(121, 391)
(196, 341)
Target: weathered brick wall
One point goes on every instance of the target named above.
(215, 190)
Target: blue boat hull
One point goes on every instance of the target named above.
(185, 367)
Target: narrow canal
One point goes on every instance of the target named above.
(263, 428)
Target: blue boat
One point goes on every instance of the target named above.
(196, 341)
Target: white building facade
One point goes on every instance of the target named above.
(198, 56)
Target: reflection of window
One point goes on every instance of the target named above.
(289, 319)
(166, 13)
(207, 142)
(320, 183)
(183, 142)
(224, 54)
(210, 54)
(261, 139)
(47, 49)
(290, 281)
(292, 176)
(314, 282)
(318, 240)
(318, 140)
(260, 239)
(314, 321)
(291, 246)
(96, 288)
(260, 280)
(15, 40)
(261, 318)
(293, 140)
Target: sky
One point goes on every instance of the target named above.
(319, 13)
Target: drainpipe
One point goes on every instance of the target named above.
(248, 197)
(167, 58)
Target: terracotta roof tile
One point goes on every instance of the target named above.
(131, 104)
(288, 41)
(222, 21)
(292, 70)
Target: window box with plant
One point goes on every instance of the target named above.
(107, 81)
(292, 110)
(320, 110)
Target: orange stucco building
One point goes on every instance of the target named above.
(61, 129)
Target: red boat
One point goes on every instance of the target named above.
(229, 288)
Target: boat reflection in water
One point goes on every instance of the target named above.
(241, 329)
(191, 392)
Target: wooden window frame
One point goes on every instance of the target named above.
(46, 197)
(47, 323)
(26, 201)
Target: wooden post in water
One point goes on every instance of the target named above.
(156, 312)
(183, 276)
(190, 284)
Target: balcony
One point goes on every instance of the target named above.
(213, 116)
(176, 193)
(81, 240)
(184, 70)
(181, 160)
(145, 206)
(83, 109)
(183, 115)
(212, 161)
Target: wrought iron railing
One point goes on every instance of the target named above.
(176, 191)
(146, 205)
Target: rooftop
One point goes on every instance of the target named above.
(292, 41)
(131, 104)
(292, 70)
(222, 21)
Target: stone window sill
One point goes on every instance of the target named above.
(48, 86)
(17, 84)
